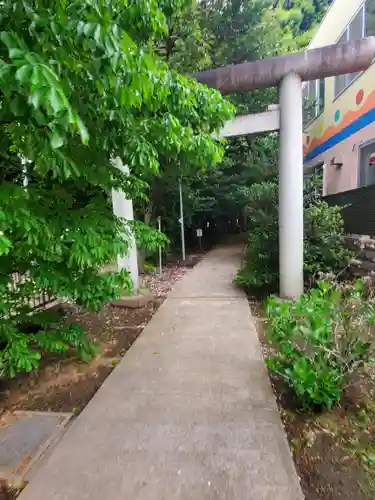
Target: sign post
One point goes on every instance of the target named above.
(199, 236)
(182, 221)
(160, 254)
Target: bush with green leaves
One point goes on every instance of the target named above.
(320, 340)
(324, 241)
(22, 344)
(324, 238)
(261, 267)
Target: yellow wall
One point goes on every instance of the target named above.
(332, 134)
(333, 25)
(339, 112)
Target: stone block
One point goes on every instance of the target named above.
(352, 242)
(367, 254)
(368, 265)
(25, 437)
(133, 301)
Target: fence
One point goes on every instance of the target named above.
(358, 209)
(38, 299)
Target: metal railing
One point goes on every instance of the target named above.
(36, 299)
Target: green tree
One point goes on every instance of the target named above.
(242, 30)
(185, 47)
(80, 86)
(298, 19)
(211, 34)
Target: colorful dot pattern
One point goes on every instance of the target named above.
(359, 97)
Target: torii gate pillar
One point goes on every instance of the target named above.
(291, 187)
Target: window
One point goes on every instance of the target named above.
(366, 168)
(313, 100)
(313, 180)
(370, 18)
(321, 95)
(355, 31)
(340, 84)
(356, 27)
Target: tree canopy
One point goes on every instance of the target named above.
(79, 86)
(298, 18)
(233, 31)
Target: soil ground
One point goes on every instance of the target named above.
(334, 450)
(64, 384)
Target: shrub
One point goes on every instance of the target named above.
(262, 258)
(25, 334)
(321, 339)
(22, 344)
(324, 246)
(148, 267)
(324, 240)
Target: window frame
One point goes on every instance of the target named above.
(318, 109)
(362, 146)
(349, 79)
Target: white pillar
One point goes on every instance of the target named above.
(122, 207)
(160, 250)
(291, 188)
(182, 224)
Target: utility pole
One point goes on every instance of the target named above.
(182, 221)
(160, 253)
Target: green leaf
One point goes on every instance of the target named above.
(15, 53)
(55, 100)
(36, 96)
(17, 106)
(89, 29)
(5, 245)
(23, 74)
(56, 140)
(4, 70)
(82, 131)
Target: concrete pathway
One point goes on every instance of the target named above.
(187, 415)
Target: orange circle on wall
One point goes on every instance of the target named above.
(359, 97)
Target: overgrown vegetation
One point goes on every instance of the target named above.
(320, 340)
(324, 245)
(80, 86)
(260, 271)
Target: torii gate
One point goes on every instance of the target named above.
(288, 72)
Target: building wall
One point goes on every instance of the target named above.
(345, 124)
(347, 121)
(337, 18)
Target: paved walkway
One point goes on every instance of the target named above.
(187, 415)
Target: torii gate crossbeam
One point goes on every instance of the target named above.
(288, 72)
